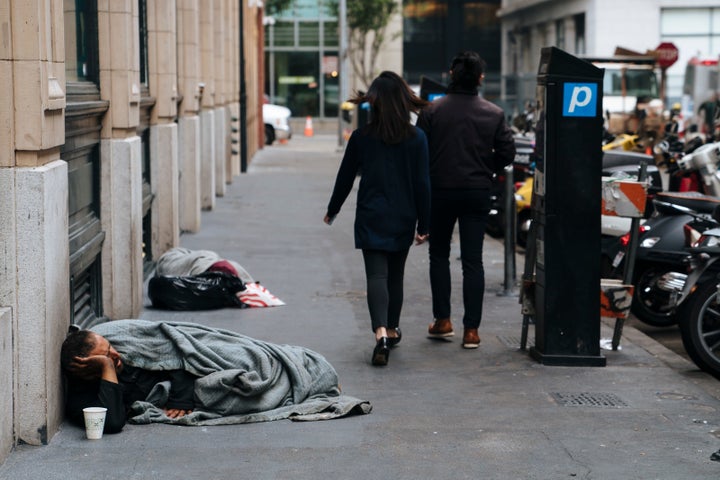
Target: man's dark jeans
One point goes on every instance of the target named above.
(470, 208)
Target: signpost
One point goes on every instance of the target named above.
(666, 54)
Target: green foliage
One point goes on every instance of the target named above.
(367, 21)
(273, 7)
(366, 16)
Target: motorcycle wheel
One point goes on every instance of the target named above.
(269, 135)
(651, 305)
(523, 227)
(700, 328)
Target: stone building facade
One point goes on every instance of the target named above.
(122, 122)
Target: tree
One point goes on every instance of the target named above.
(367, 23)
(273, 7)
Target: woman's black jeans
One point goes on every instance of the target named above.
(385, 272)
(470, 208)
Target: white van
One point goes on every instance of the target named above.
(701, 81)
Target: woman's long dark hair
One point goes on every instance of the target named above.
(391, 102)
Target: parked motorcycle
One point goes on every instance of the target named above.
(699, 302)
(665, 235)
(523, 204)
(524, 149)
(678, 220)
(624, 165)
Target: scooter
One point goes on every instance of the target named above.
(664, 237)
(523, 204)
(678, 220)
(699, 302)
(524, 149)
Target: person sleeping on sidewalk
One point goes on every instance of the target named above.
(191, 374)
(202, 280)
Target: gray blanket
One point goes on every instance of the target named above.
(242, 380)
(179, 262)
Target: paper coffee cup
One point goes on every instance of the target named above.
(94, 422)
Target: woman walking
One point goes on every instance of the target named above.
(393, 202)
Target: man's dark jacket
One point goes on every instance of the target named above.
(468, 138)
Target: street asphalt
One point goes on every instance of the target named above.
(439, 412)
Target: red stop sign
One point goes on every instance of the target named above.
(667, 54)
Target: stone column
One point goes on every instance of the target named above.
(8, 283)
(221, 126)
(8, 217)
(207, 157)
(7, 438)
(164, 170)
(120, 150)
(34, 260)
(235, 136)
(231, 51)
(207, 113)
(121, 214)
(235, 87)
(189, 139)
(42, 297)
(189, 157)
(220, 134)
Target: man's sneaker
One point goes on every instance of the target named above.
(441, 328)
(471, 339)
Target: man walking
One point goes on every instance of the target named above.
(469, 140)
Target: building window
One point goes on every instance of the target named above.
(81, 45)
(283, 35)
(143, 29)
(83, 122)
(435, 31)
(579, 20)
(296, 82)
(560, 34)
(308, 34)
(299, 46)
(331, 34)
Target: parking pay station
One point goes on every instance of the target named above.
(566, 204)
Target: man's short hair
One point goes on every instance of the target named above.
(466, 69)
(77, 344)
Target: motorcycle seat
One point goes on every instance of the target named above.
(696, 201)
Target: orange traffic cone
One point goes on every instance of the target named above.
(308, 127)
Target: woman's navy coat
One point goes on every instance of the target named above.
(394, 193)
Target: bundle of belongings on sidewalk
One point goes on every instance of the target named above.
(238, 379)
(202, 280)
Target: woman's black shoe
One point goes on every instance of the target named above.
(382, 352)
(392, 341)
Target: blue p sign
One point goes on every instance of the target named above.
(580, 100)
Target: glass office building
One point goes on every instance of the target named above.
(435, 31)
(301, 68)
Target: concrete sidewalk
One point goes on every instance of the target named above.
(439, 412)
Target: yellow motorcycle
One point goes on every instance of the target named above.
(523, 200)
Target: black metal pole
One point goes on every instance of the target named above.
(510, 234)
(243, 96)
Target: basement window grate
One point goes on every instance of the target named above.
(585, 399)
(513, 341)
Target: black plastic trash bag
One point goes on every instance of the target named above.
(206, 291)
